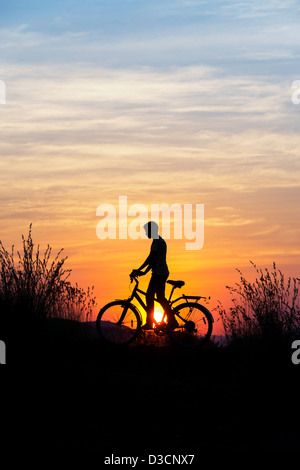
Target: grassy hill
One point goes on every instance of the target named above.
(143, 398)
(62, 389)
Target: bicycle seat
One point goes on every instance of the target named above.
(176, 283)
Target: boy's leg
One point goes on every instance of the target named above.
(150, 301)
(160, 293)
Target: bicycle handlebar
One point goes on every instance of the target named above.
(132, 277)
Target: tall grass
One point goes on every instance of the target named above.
(267, 308)
(33, 287)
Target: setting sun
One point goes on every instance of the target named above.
(158, 316)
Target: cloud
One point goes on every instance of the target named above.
(155, 33)
(91, 130)
(219, 222)
(257, 9)
(79, 93)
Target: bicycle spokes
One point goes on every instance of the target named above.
(118, 324)
(194, 327)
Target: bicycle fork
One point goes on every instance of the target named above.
(120, 321)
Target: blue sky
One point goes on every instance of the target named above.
(143, 33)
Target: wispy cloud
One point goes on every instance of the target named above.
(157, 34)
(258, 9)
(188, 116)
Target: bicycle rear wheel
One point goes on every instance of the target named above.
(116, 325)
(195, 325)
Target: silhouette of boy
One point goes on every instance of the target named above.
(156, 261)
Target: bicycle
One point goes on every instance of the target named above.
(119, 322)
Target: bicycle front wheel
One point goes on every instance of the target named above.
(118, 323)
(195, 325)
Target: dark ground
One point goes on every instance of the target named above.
(64, 390)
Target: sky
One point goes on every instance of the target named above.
(185, 102)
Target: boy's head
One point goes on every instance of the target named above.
(151, 229)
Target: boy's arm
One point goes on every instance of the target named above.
(149, 261)
(147, 264)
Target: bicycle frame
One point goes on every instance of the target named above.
(194, 329)
(135, 295)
